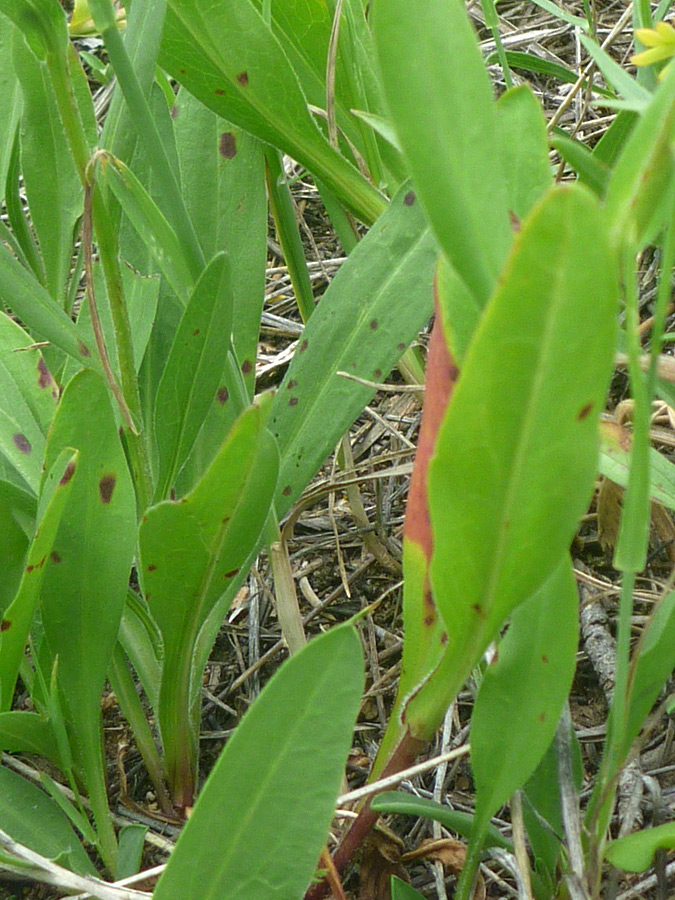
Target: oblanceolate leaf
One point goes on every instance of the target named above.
(635, 852)
(373, 308)
(283, 767)
(87, 572)
(13, 541)
(193, 370)
(28, 397)
(231, 60)
(52, 183)
(441, 103)
(521, 128)
(30, 302)
(190, 551)
(18, 616)
(34, 820)
(517, 453)
(223, 182)
(522, 692)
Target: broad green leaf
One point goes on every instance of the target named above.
(640, 178)
(86, 575)
(190, 550)
(655, 661)
(268, 802)
(635, 852)
(28, 397)
(459, 310)
(521, 127)
(591, 172)
(223, 182)
(373, 308)
(440, 98)
(517, 452)
(30, 302)
(402, 891)
(34, 820)
(28, 732)
(230, 60)
(522, 692)
(53, 187)
(398, 803)
(18, 616)
(193, 370)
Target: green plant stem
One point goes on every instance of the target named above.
(137, 441)
(492, 22)
(281, 205)
(104, 18)
(123, 685)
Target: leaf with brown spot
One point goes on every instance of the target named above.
(106, 487)
(227, 146)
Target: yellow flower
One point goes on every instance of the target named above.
(660, 42)
(82, 24)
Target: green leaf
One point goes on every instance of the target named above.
(28, 732)
(86, 575)
(402, 891)
(34, 820)
(615, 74)
(654, 663)
(615, 465)
(13, 540)
(398, 803)
(28, 397)
(18, 616)
(223, 182)
(440, 98)
(190, 551)
(523, 691)
(30, 302)
(514, 466)
(150, 224)
(10, 99)
(52, 183)
(640, 178)
(635, 852)
(522, 135)
(268, 803)
(43, 23)
(591, 172)
(193, 370)
(230, 60)
(513, 470)
(373, 309)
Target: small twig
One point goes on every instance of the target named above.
(331, 66)
(518, 825)
(392, 780)
(389, 388)
(569, 803)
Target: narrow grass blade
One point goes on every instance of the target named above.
(190, 551)
(283, 765)
(372, 310)
(615, 74)
(591, 172)
(440, 98)
(86, 575)
(193, 370)
(10, 99)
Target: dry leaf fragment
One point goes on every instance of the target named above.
(448, 851)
